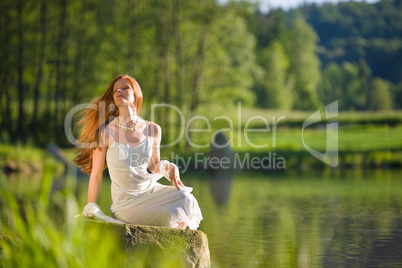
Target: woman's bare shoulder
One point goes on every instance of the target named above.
(154, 130)
(106, 138)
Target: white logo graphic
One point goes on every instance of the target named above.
(331, 154)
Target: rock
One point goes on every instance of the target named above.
(192, 244)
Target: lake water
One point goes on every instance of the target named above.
(328, 219)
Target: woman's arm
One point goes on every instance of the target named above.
(156, 134)
(95, 179)
(98, 162)
(169, 170)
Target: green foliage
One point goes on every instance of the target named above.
(397, 96)
(192, 54)
(342, 83)
(21, 158)
(31, 234)
(181, 52)
(230, 62)
(304, 64)
(275, 92)
(290, 64)
(350, 31)
(380, 96)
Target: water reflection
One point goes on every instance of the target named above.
(220, 183)
(348, 219)
(70, 169)
(364, 245)
(220, 177)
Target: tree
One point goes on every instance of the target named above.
(397, 96)
(379, 95)
(351, 31)
(304, 64)
(6, 68)
(39, 74)
(275, 84)
(342, 83)
(364, 79)
(230, 64)
(179, 59)
(20, 71)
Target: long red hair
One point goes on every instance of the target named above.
(99, 113)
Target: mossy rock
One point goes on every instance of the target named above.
(191, 245)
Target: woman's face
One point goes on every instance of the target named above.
(123, 93)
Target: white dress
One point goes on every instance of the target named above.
(138, 198)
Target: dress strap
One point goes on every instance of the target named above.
(147, 122)
(110, 132)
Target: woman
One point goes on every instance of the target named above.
(114, 135)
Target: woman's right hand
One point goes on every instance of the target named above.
(93, 210)
(89, 210)
(89, 216)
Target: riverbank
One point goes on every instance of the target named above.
(30, 160)
(362, 140)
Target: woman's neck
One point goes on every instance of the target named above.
(127, 114)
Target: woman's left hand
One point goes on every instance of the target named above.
(174, 176)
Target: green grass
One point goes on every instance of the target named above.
(40, 230)
(363, 138)
(18, 153)
(20, 157)
(358, 131)
(296, 117)
(25, 158)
